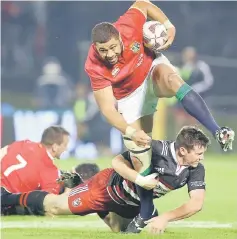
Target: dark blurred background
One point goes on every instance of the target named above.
(43, 49)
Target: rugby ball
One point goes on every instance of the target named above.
(154, 35)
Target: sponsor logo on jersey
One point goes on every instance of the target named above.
(140, 60)
(115, 71)
(183, 182)
(135, 47)
(76, 202)
(197, 184)
(160, 170)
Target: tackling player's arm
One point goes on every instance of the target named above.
(196, 188)
(155, 13)
(189, 208)
(123, 165)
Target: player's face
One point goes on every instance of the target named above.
(110, 51)
(58, 149)
(194, 156)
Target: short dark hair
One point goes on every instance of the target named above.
(103, 32)
(87, 170)
(189, 136)
(53, 135)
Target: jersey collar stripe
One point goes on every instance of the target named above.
(173, 152)
(164, 148)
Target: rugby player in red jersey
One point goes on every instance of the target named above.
(28, 166)
(119, 66)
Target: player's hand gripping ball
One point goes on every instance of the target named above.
(154, 35)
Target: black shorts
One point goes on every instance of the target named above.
(7, 208)
(4, 196)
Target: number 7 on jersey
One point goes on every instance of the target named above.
(22, 163)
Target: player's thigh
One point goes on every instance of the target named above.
(166, 80)
(139, 104)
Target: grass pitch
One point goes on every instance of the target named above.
(217, 220)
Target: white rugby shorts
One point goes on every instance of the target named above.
(143, 100)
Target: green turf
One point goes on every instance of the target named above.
(220, 206)
(98, 234)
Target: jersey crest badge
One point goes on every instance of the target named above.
(76, 202)
(135, 47)
(115, 71)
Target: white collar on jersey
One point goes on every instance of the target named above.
(50, 155)
(173, 152)
(179, 168)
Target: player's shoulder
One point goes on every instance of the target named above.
(93, 65)
(21, 144)
(160, 146)
(91, 58)
(131, 15)
(200, 168)
(130, 25)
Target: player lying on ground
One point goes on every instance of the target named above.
(67, 180)
(115, 198)
(120, 66)
(28, 166)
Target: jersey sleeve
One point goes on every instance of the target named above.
(48, 177)
(98, 84)
(196, 178)
(95, 72)
(131, 23)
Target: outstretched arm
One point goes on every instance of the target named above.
(105, 100)
(158, 224)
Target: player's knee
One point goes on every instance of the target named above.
(167, 79)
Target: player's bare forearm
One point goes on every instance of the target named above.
(115, 119)
(186, 210)
(105, 101)
(151, 11)
(123, 168)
